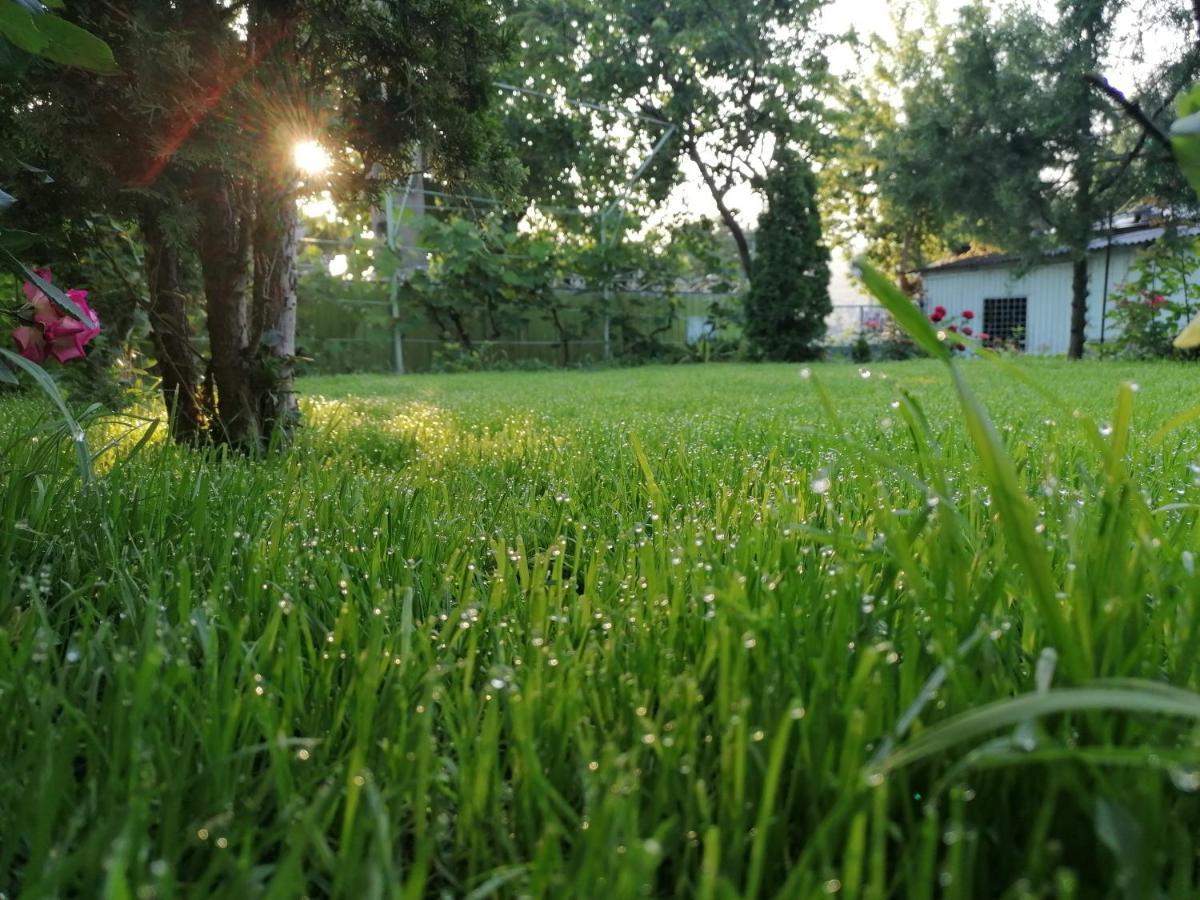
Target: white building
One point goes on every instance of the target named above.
(1034, 306)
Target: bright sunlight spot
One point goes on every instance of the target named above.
(339, 265)
(320, 207)
(311, 158)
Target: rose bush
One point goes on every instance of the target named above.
(956, 325)
(46, 330)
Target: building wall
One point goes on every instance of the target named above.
(1047, 289)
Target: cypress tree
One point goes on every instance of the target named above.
(789, 285)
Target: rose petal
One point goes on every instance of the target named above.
(32, 289)
(64, 327)
(30, 343)
(67, 349)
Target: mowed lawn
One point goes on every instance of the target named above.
(690, 631)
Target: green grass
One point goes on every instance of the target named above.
(655, 632)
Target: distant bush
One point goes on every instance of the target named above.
(1157, 301)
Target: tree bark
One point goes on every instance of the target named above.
(277, 221)
(273, 339)
(727, 216)
(1079, 297)
(177, 361)
(224, 248)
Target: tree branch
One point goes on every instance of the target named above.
(1131, 108)
(1113, 178)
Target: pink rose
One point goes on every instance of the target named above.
(939, 313)
(61, 335)
(30, 342)
(968, 314)
(67, 335)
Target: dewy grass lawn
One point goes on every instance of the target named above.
(652, 632)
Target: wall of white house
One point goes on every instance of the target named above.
(1047, 289)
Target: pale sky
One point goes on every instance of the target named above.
(864, 16)
(869, 17)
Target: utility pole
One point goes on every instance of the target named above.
(404, 216)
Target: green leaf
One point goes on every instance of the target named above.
(15, 241)
(7, 376)
(17, 24)
(73, 46)
(1128, 696)
(56, 295)
(46, 383)
(1173, 424)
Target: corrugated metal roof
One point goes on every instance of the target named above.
(978, 261)
(1136, 236)
(1130, 237)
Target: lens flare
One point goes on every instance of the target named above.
(311, 158)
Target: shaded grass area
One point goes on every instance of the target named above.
(667, 631)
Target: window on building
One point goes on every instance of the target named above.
(1004, 320)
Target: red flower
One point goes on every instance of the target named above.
(968, 314)
(953, 328)
(984, 336)
(960, 347)
(30, 343)
(939, 313)
(1156, 300)
(57, 334)
(967, 330)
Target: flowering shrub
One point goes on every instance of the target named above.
(59, 326)
(52, 332)
(1147, 311)
(957, 326)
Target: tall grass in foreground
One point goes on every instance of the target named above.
(708, 632)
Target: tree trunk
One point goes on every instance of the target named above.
(273, 339)
(727, 216)
(224, 247)
(177, 361)
(1079, 297)
(277, 222)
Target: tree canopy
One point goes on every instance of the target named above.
(194, 138)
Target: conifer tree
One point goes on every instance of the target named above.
(789, 284)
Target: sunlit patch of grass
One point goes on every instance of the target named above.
(687, 631)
